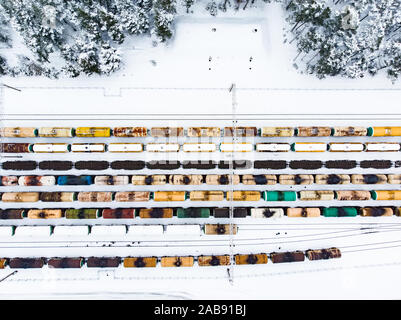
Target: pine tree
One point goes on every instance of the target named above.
(5, 40)
(3, 66)
(134, 16)
(394, 60)
(352, 38)
(109, 59)
(29, 67)
(188, 4)
(211, 7)
(87, 58)
(31, 20)
(163, 17)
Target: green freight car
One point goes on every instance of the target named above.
(193, 212)
(279, 195)
(340, 212)
(82, 213)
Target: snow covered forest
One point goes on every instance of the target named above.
(349, 38)
(84, 37)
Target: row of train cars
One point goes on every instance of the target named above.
(198, 179)
(313, 131)
(177, 261)
(199, 132)
(198, 212)
(201, 195)
(199, 147)
(195, 212)
(59, 165)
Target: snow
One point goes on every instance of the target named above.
(6, 231)
(70, 231)
(177, 85)
(36, 231)
(145, 230)
(183, 230)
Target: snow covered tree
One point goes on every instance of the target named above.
(109, 23)
(350, 18)
(134, 16)
(394, 61)
(29, 67)
(163, 16)
(350, 38)
(5, 40)
(214, 6)
(70, 56)
(308, 11)
(347, 38)
(188, 4)
(81, 57)
(3, 66)
(109, 59)
(87, 58)
(37, 23)
(211, 7)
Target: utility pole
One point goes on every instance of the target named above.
(232, 172)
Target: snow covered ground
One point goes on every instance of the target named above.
(161, 80)
(186, 84)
